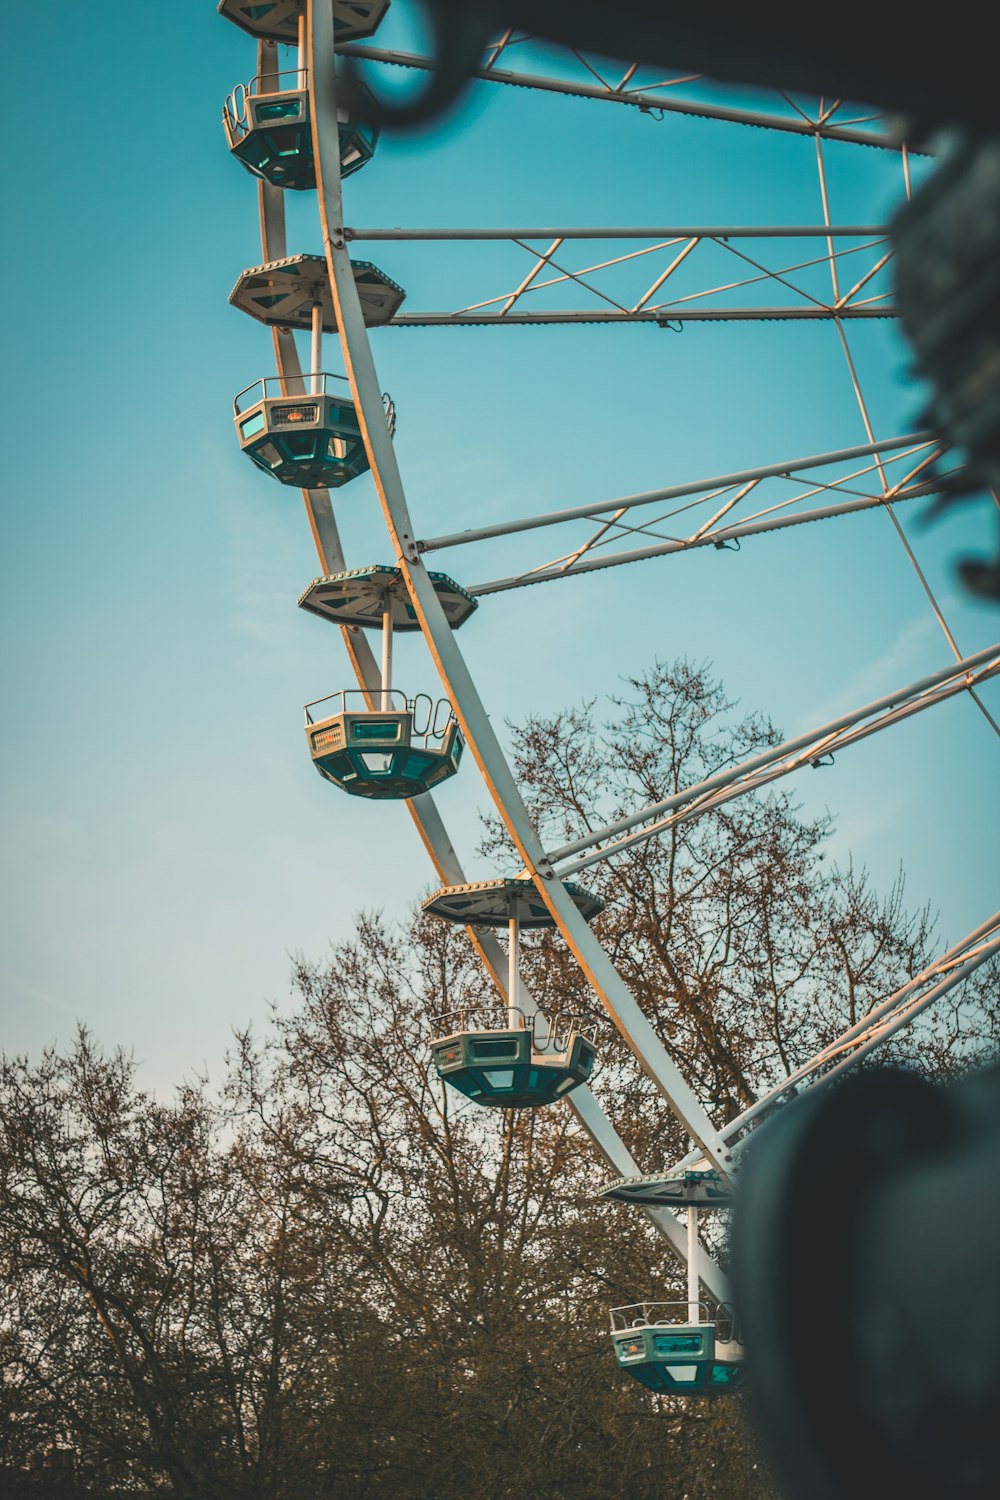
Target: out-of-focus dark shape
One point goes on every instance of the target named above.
(460, 33)
(866, 1251)
(932, 74)
(947, 241)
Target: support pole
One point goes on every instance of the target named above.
(692, 1265)
(316, 356)
(514, 1017)
(386, 654)
(302, 46)
(273, 243)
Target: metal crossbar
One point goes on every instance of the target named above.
(778, 761)
(716, 483)
(770, 518)
(883, 1021)
(653, 98)
(524, 302)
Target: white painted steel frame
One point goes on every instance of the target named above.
(717, 538)
(622, 232)
(880, 1023)
(662, 317)
(455, 676)
(613, 529)
(667, 311)
(423, 809)
(956, 678)
(596, 511)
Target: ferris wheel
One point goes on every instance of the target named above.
(297, 131)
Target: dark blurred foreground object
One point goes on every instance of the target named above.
(947, 239)
(866, 1250)
(947, 244)
(933, 75)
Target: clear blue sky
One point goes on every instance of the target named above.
(168, 843)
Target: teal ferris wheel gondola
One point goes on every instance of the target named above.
(501, 1066)
(678, 1348)
(701, 1356)
(268, 129)
(390, 753)
(311, 440)
(382, 744)
(517, 1058)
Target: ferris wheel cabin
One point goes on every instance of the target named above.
(677, 1348)
(677, 1358)
(513, 1058)
(404, 746)
(312, 441)
(504, 1067)
(268, 129)
(391, 753)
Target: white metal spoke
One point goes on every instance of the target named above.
(791, 754)
(708, 241)
(718, 539)
(651, 97)
(613, 528)
(719, 482)
(882, 1022)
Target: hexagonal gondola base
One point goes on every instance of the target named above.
(360, 596)
(493, 903)
(278, 20)
(501, 1069)
(676, 1359)
(707, 1189)
(279, 149)
(282, 293)
(278, 145)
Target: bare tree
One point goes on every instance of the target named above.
(333, 1277)
(745, 945)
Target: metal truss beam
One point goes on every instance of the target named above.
(663, 319)
(717, 538)
(779, 761)
(877, 232)
(519, 305)
(596, 511)
(883, 1021)
(890, 1016)
(644, 100)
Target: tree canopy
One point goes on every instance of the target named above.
(328, 1275)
